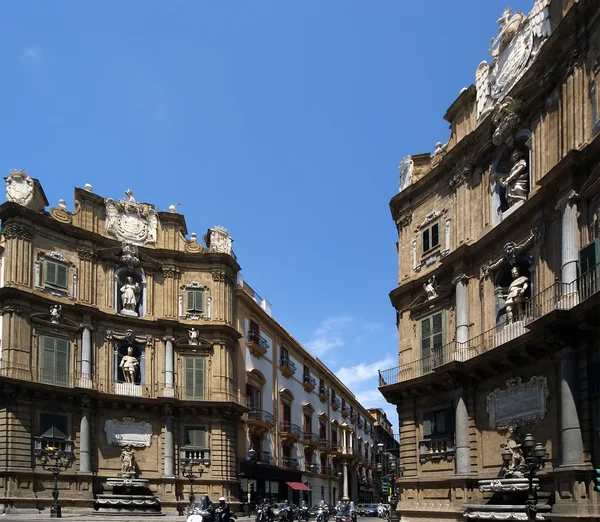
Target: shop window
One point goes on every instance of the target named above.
(55, 361)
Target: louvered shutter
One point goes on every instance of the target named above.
(435, 235)
(62, 362)
(50, 272)
(62, 276)
(425, 240)
(437, 332)
(589, 268)
(426, 344)
(199, 300)
(190, 301)
(189, 378)
(199, 378)
(48, 360)
(427, 424)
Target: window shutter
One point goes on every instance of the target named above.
(62, 362)
(189, 377)
(199, 300)
(427, 424)
(48, 360)
(199, 377)
(437, 328)
(435, 235)
(53, 426)
(62, 276)
(425, 240)
(50, 272)
(426, 337)
(190, 301)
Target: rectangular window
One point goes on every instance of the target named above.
(430, 237)
(286, 412)
(194, 436)
(307, 424)
(55, 361)
(194, 301)
(254, 327)
(285, 355)
(53, 426)
(306, 372)
(194, 378)
(432, 340)
(322, 430)
(254, 396)
(56, 274)
(438, 423)
(256, 442)
(589, 269)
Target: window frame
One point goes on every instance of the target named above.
(431, 360)
(189, 292)
(194, 395)
(55, 283)
(196, 428)
(428, 231)
(51, 414)
(64, 381)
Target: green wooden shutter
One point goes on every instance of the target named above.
(426, 345)
(190, 301)
(199, 378)
(62, 276)
(53, 426)
(194, 378)
(589, 268)
(435, 235)
(50, 272)
(62, 362)
(48, 359)
(427, 424)
(195, 436)
(437, 332)
(195, 301)
(189, 378)
(199, 300)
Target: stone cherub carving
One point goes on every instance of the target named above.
(130, 295)
(193, 336)
(128, 462)
(513, 444)
(55, 313)
(130, 366)
(517, 181)
(430, 288)
(515, 298)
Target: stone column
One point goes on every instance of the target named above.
(571, 440)
(345, 472)
(169, 361)
(169, 446)
(569, 237)
(461, 422)
(86, 351)
(85, 436)
(462, 317)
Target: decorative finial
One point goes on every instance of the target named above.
(62, 204)
(173, 207)
(88, 187)
(193, 237)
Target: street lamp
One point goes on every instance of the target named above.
(188, 460)
(535, 459)
(396, 470)
(55, 460)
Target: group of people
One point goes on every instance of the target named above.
(206, 511)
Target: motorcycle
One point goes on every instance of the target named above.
(223, 516)
(322, 514)
(264, 513)
(199, 514)
(303, 514)
(286, 514)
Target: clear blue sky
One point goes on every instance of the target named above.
(283, 120)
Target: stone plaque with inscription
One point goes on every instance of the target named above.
(128, 432)
(519, 403)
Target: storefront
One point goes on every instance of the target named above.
(272, 482)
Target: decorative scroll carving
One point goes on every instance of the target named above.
(130, 221)
(519, 403)
(85, 253)
(170, 270)
(128, 336)
(128, 432)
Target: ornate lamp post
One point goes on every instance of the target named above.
(189, 459)
(55, 460)
(535, 460)
(396, 470)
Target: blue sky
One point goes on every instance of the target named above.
(283, 120)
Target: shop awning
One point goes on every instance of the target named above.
(298, 486)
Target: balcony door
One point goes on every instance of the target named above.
(254, 396)
(286, 412)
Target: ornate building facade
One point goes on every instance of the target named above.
(125, 338)
(498, 291)
(306, 434)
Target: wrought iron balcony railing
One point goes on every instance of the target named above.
(310, 381)
(558, 296)
(264, 456)
(336, 403)
(261, 415)
(289, 463)
(256, 338)
(289, 428)
(310, 438)
(286, 362)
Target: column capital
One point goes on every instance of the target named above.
(167, 409)
(570, 195)
(459, 279)
(167, 338)
(403, 221)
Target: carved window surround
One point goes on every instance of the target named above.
(72, 276)
(205, 315)
(432, 255)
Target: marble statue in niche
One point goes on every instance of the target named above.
(130, 366)
(516, 182)
(514, 300)
(130, 295)
(127, 461)
(55, 313)
(430, 288)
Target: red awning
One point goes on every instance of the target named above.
(298, 486)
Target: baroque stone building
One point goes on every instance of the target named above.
(118, 330)
(498, 292)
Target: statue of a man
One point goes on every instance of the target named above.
(130, 294)
(515, 299)
(55, 313)
(517, 181)
(193, 336)
(431, 288)
(127, 461)
(129, 366)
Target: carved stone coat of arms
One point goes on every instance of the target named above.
(130, 221)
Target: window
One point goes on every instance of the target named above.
(286, 412)
(194, 378)
(285, 355)
(56, 274)
(194, 301)
(334, 435)
(256, 442)
(254, 396)
(194, 436)
(53, 426)
(432, 340)
(430, 237)
(322, 430)
(307, 424)
(55, 361)
(254, 328)
(438, 423)
(306, 372)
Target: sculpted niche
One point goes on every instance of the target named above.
(513, 290)
(129, 291)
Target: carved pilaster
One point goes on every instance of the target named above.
(18, 253)
(87, 277)
(170, 286)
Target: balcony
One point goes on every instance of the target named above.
(309, 382)
(352, 415)
(345, 411)
(257, 344)
(327, 470)
(436, 449)
(196, 455)
(323, 393)
(557, 298)
(310, 439)
(287, 366)
(260, 421)
(336, 404)
(290, 432)
(203, 393)
(360, 423)
(264, 457)
(289, 463)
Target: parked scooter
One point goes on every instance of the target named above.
(322, 512)
(202, 512)
(264, 512)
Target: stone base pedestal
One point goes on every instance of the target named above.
(126, 496)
